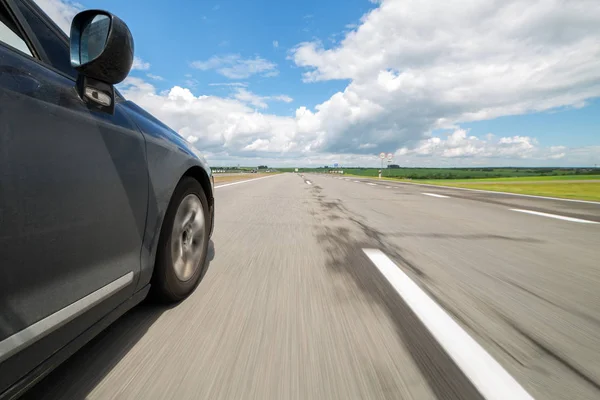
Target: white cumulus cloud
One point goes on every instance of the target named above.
(459, 144)
(140, 64)
(232, 84)
(460, 148)
(233, 66)
(155, 77)
(222, 125)
(248, 97)
(61, 12)
(414, 66)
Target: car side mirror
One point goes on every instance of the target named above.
(102, 53)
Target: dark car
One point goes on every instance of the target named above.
(100, 203)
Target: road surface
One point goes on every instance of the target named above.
(292, 307)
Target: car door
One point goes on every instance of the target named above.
(73, 197)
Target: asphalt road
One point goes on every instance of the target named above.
(292, 308)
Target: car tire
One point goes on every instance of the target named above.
(183, 244)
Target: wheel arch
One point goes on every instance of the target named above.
(199, 174)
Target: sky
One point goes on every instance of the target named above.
(437, 83)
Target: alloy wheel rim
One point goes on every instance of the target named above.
(188, 237)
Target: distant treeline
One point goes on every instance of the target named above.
(242, 169)
(454, 173)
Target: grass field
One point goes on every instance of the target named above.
(519, 179)
(563, 189)
(579, 187)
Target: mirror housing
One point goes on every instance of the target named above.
(102, 49)
(113, 62)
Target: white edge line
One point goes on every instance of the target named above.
(44, 327)
(436, 195)
(507, 193)
(542, 214)
(488, 377)
(246, 181)
(371, 184)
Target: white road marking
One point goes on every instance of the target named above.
(388, 187)
(308, 182)
(371, 184)
(436, 195)
(488, 377)
(357, 181)
(583, 221)
(245, 181)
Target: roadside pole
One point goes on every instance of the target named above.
(381, 157)
(390, 157)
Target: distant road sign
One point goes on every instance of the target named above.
(390, 156)
(382, 155)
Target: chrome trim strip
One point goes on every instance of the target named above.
(36, 331)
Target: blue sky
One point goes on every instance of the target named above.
(304, 83)
(248, 28)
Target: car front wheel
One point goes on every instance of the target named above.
(183, 245)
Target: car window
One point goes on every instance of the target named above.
(55, 45)
(9, 34)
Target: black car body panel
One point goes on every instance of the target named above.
(74, 198)
(82, 200)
